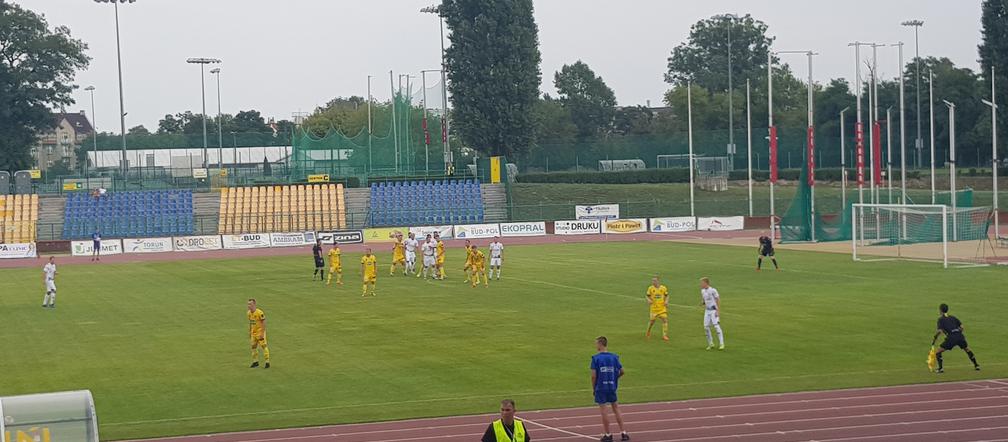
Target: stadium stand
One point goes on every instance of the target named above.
(18, 216)
(426, 203)
(129, 214)
(282, 208)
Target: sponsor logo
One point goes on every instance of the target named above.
(477, 231)
(194, 243)
(21, 250)
(577, 227)
(624, 226)
(680, 224)
(342, 237)
(518, 229)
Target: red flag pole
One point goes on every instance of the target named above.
(877, 153)
(811, 156)
(859, 139)
(773, 154)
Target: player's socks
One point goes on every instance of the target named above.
(45, 300)
(720, 335)
(664, 330)
(441, 272)
(775, 263)
(52, 300)
(364, 292)
(759, 263)
(255, 357)
(710, 339)
(940, 362)
(973, 359)
(266, 356)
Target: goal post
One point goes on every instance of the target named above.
(925, 232)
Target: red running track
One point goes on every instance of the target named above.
(954, 411)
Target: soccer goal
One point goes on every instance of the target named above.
(922, 232)
(711, 173)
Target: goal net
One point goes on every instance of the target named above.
(920, 232)
(710, 173)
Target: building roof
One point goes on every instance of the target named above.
(79, 121)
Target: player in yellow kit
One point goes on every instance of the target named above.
(478, 267)
(257, 333)
(440, 255)
(335, 265)
(398, 254)
(369, 268)
(657, 296)
(467, 268)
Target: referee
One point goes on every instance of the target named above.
(952, 328)
(507, 428)
(319, 261)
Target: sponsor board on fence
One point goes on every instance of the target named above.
(422, 232)
(716, 223)
(578, 227)
(598, 211)
(523, 229)
(291, 239)
(476, 231)
(618, 226)
(197, 243)
(673, 224)
(246, 241)
(342, 237)
(147, 245)
(85, 248)
(382, 234)
(18, 250)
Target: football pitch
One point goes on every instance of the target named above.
(164, 345)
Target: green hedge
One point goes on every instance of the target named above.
(673, 176)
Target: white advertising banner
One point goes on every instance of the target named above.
(197, 243)
(292, 239)
(523, 229)
(476, 231)
(579, 227)
(674, 224)
(147, 245)
(84, 248)
(246, 241)
(18, 250)
(422, 232)
(598, 211)
(720, 223)
(618, 226)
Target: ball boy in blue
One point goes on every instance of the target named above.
(606, 371)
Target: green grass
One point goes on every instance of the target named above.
(163, 345)
(533, 201)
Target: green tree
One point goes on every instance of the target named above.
(493, 71)
(703, 58)
(591, 102)
(37, 66)
(138, 130)
(169, 125)
(994, 53)
(249, 121)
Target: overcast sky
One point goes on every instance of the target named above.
(282, 57)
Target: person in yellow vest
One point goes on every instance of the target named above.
(657, 297)
(479, 267)
(335, 265)
(369, 269)
(507, 428)
(468, 263)
(398, 254)
(440, 249)
(257, 333)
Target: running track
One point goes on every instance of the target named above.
(954, 411)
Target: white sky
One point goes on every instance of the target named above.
(281, 57)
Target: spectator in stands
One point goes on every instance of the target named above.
(96, 246)
(507, 428)
(99, 192)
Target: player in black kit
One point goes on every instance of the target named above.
(766, 250)
(953, 330)
(319, 261)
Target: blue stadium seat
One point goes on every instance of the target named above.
(126, 214)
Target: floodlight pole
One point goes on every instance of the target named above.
(994, 156)
(395, 129)
(952, 168)
(770, 134)
(220, 123)
(369, 125)
(920, 141)
(902, 133)
(731, 104)
(843, 162)
(203, 62)
(94, 132)
(689, 118)
(122, 111)
(932, 124)
(888, 126)
(859, 132)
(810, 139)
(748, 120)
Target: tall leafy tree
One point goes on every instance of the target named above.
(493, 69)
(37, 64)
(994, 53)
(703, 58)
(591, 102)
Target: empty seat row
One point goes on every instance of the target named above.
(264, 209)
(425, 202)
(129, 214)
(18, 218)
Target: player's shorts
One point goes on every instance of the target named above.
(371, 278)
(335, 269)
(440, 261)
(468, 265)
(428, 261)
(605, 397)
(50, 285)
(96, 246)
(495, 262)
(257, 341)
(711, 318)
(659, 315)
(410, 256)
(478, 269)
(954, 340)
(769, 253)
(319, 263)
(398, 259)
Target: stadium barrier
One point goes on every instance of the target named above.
(292, 239)
(147, 245)
(673, 224)
(721, 223)
(342, 237)
(18, 250)
(623, 226)
(476, 231)
(523, 229)
(246, 241)
(598, 211)
(197, 243)
(86, 248)
(577, 227)
(381, 234)
(445, 232)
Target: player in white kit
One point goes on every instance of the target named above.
(711, 301)
(428, 258)
(49, 277)
(411, 246)
(496, 257)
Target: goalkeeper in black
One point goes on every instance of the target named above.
(766, 251)
(953, 330)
